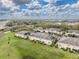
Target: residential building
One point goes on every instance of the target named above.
(39, 29)
(73, 32)
(42, 37)
(53, 30)
(68, 42)
(22, 34)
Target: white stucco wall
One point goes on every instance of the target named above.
(48, 42)
(62, 45)
(19, 35)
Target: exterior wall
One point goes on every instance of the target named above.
(57, 32)
(72, 34)
(39, 30)
(62, 45)
(48, 42)
(19, 35)
(46, 31)
(33, 38)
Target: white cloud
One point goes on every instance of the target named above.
(7, 3)
(66, 6)
(52, 11)
(14, 8)
(35, 3)
(47, 0)
(76, 5)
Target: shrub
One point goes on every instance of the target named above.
(28, 57)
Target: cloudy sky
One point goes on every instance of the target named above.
(41, 9)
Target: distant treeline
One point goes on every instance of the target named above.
(44, 24)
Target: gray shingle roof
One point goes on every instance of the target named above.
(69, 40)
(53, 29)
(41, 35)
(22, 32)
(73, 31)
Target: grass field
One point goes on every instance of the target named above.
(12, 47)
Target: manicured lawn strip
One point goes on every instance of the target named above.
(19, 48)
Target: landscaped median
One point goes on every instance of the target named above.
(12, 47)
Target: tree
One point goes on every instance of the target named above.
(64, 27)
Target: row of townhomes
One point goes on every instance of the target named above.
(37, 36)
(68, 42)
(70, 38)
(73, 32)
(22, 34)
(42, 37)
(51, 30)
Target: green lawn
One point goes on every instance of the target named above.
(17, 48)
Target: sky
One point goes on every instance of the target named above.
(39, 9)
